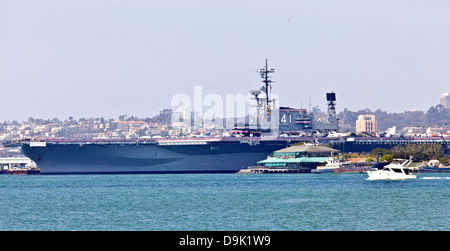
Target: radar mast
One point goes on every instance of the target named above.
(264, 73)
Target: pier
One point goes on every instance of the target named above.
(263, 170)
(11, 162)
(354, 169)
(21, 171)
(18, 165)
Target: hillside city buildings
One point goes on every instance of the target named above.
(162, 126)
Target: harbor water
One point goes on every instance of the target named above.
(224, 202)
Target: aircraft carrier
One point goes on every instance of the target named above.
(197, 155)
(180, 155)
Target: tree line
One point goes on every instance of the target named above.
(418, 152)
(436, 116)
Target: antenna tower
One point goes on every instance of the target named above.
(264, 73)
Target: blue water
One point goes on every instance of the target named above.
(223, 202)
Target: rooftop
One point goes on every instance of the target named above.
(296, 160)
(307, 148)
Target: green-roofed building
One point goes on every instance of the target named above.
(304, 157)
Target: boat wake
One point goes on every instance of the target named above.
(435, 178)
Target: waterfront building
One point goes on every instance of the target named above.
(445, 100)
(366, 123)
(305, 157)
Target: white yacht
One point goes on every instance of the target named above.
(393, 171)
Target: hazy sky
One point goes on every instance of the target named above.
(105, 58)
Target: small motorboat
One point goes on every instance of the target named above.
(393, 171)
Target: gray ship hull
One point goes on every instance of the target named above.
(181, 156)
(209, 155)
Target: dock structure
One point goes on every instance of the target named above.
(353, 169)
(11, 162)
(18, 165)
(263, 170)
(22, 171)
